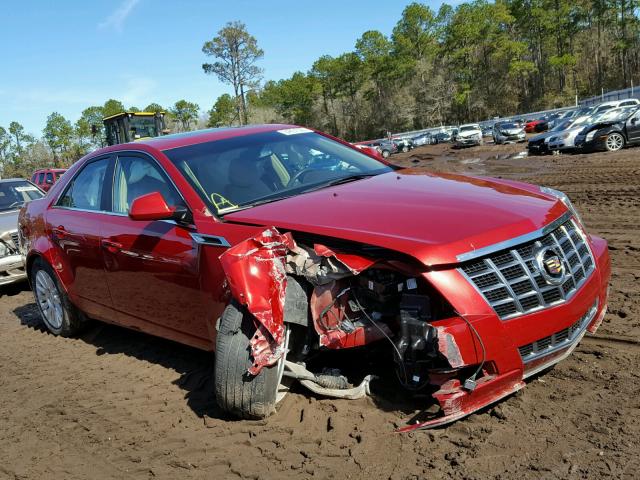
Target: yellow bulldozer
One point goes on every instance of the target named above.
(127, 127)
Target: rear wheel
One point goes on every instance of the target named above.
(237, 391)
(614, 142)
(60, 316)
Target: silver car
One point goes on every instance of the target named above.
(14, 193)
(508, 132)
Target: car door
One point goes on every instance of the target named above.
(75, 221)
(151, 266)
(633, 128)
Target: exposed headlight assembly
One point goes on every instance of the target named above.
(590, 135)
(564, 199)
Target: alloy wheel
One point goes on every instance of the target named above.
(49, 300)
(615, 141)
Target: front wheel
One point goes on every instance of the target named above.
(614, 142)
(237, 391)
(385, 154)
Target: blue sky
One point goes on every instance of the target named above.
(65, 55)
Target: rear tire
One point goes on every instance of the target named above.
(614, 142)
(237, 391)
(59, 315)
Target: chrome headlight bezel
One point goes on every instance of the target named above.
(565, 200)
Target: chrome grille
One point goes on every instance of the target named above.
(15, 238)
(558, 340)
(511, 283)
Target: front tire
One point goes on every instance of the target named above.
(237, 391)
(59, 315)
(614, 142)
(385, 154)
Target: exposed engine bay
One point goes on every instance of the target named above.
(346, 300)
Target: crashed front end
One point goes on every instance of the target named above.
(471, 332)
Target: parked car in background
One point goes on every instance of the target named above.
(239, 240)
(468, 135)
(424, 139)
(629, 102)
(532, 126)
(541, 144)
(46, 177)
(371, 150)
(562, 138)
(404, 144)
(611, 132)
(14, 193)
(508, 132)
(443, 137)
(386, 148)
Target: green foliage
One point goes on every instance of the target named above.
(236, 52)
(185, 114)
(112, 107)
(223, 112)
(58, 134)
(154, 107)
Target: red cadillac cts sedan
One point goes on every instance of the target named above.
(272, 243)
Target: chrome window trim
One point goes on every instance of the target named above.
(97, 158)
(527, 237)
(116, 154)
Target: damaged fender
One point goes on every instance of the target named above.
(256, 270)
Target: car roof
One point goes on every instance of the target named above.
(167, 142)
(470, 125)
(7, 180)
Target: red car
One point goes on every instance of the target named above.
(270, 244)
(46, 177)
(534, 126)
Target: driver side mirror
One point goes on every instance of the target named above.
(153, 206)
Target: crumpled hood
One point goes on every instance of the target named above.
(432, 217)
(512, 131)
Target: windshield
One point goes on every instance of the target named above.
(242, 171)
(562, 126)
(15, 194)
(615, 114)
(467, 128)
(142, 126)
(509, 126)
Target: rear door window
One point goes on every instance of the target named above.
(49, 177)
(40, 178)
(86, 189)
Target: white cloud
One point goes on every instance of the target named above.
(119, 16)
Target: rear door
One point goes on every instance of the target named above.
(152, 266)
(633, 128)
(75, 222)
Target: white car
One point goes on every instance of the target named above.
(629, 102)
(469, 135)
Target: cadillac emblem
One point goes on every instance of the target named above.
(550, 265)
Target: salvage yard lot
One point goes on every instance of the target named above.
(119, 404)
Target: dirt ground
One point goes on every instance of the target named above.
(119, 404)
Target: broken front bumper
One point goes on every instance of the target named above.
(12, 269)
(514, 349)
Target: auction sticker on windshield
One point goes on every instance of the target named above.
(26, 189)
(295, 131)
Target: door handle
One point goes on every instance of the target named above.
(111, 246)
(59, 232)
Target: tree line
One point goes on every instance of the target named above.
(475, 61)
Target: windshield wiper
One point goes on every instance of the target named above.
(341, 180)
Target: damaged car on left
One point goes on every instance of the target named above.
(277, 245)
(14, 193)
